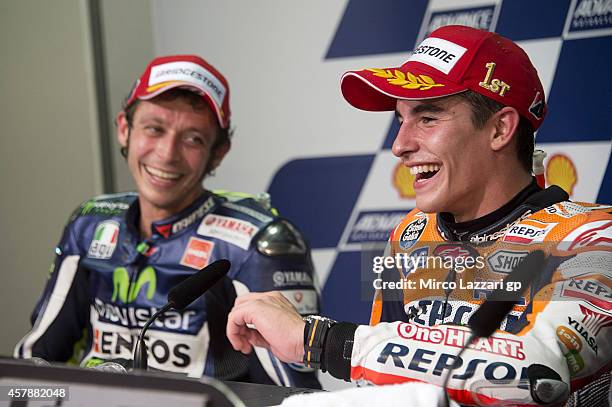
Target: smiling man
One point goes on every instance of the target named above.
(468, 103)
(121, 254)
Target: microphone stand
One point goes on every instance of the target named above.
(140, 350)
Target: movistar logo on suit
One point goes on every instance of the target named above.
(127, 293)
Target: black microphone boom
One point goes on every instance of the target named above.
(488, 317)
(194, 286)
(179, 297)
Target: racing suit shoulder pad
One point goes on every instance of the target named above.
(281, 238)
(276, 236)
(568, 213)
(248, 207)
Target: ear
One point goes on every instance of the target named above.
(505, 122)
(123, 129)
(219, 154)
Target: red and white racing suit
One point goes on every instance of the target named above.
(562, 322)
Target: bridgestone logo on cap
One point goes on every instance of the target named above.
(190, 73)
(438, 53)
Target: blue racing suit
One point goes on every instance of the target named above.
(106, 282)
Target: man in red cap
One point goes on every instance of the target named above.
(121, 254)
(468, 102)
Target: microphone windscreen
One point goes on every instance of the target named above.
(190, 289)
(490, 314)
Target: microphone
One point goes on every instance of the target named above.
(193, 287)
(491, 313)
(179, 298)
(112, 366)
(489, 316)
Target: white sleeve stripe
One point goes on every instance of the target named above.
(265, 357)
(51, 309)
(281, 368)
(266, 363)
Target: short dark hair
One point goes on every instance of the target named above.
(482, 110)
(196, 101)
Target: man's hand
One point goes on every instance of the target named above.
(277, 326)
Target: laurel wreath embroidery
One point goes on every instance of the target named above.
(408, 80)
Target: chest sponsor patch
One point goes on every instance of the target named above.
(197, 253)
(105, 240)
(597, 233)
(168, 351)
(504, 261)
(528, 232)
(412, 233)
(232, 230)
(458, 338)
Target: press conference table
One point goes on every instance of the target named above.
(91, 387)
(263, 394)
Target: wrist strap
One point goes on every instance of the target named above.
(315, 331)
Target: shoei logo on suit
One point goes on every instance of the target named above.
(412, 233)
(504, 261)
(105, 240)
(197, 253)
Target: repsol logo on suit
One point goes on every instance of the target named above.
(456, 313)
(431, 362)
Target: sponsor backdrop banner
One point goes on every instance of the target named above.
(328, 166)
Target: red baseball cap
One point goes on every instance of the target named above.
(189, 72)
(453, 59)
